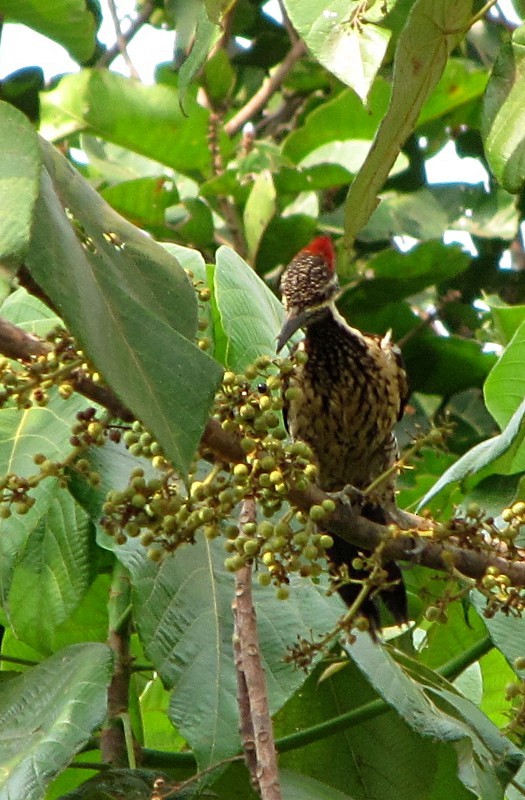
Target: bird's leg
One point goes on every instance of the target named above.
(382, 512)
(361, 503)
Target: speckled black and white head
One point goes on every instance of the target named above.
(309, 284)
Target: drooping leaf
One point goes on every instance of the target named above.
(503, 454)
(129, 304)
(432, 30)
(251, 315)
(375, 755)
(258, 211)
(19, 179)
(48, 713)
(505, 386)
(295, 785)
(486, 760)
(504, 116)
(71, 23)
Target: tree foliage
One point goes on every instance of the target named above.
(142, 234)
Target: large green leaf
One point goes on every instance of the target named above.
(462, 81)
(432, 30)
(392, 275)
(143, 200)
(44, 430)
(486, 760)
(19, 175)
(503, 122)
(428, 213)
(258, 211)
(378, 755)
(250, 314)
(15, 531)
(341, 118)
(47, 714)
(299, 787)
(505, 386)
(345, 38)
(503, 454)
(129, 304)
(71, 23)
(52, 571)
(507, 318)
(145, 119)
(183, 615)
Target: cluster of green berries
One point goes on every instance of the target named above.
(482, 532)
(164, 512)
(25, 385)
(203, 293)
(500, 594)
(87, 431)
(15, 494)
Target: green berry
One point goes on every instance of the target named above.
(265, 529)
(326, 541)
(317, 513)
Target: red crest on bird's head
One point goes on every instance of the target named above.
(323, 247)
(309, 286)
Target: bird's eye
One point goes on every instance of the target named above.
(262, 388)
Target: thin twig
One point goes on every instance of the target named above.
(142, 17)
(269, 87)
(255, 721)
(121, 40)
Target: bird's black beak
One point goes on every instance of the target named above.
(291, 325)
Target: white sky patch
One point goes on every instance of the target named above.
(243, 42)
(404, 243)
(505, 261)
(273, 9)
(447, 167)
(508, 10)
(460, 237)
(22, 47)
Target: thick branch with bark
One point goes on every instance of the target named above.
(415, 547)
(255, 721)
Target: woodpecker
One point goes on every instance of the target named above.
(353, 389)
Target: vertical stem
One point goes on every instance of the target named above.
(255, 721)
(113, 743)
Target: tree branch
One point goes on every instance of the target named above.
(125, 38)
(269, 87)
(344, 521)
(255, 721)
(114, 747)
